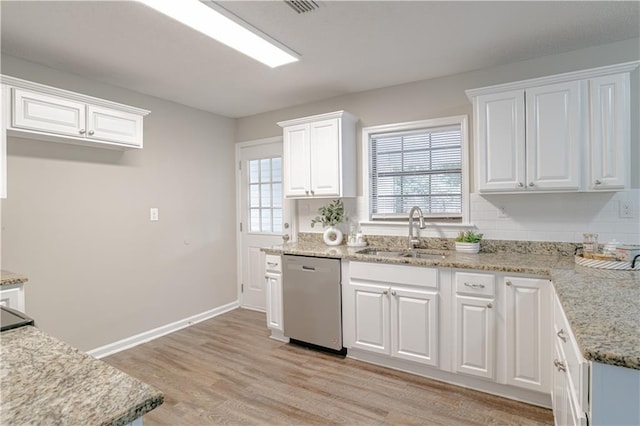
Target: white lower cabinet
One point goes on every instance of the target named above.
(474, 324)
(488, 331)
(474, 342)
(273, 277)
(528, 316)
(386, 314)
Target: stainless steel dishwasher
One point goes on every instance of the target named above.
(312, 301)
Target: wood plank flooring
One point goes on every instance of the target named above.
(228, 371)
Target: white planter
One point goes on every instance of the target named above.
(332, 236)
(467, 247)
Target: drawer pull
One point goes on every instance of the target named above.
(472, 285)
(393, 292)
(559, 365)
(272, 263)
(562, 335)
(385, 291)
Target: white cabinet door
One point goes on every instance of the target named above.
(553, 136)
(609, 153)
(296, 161)
(559, 391)
(46, 113)
(274, 301)
(371, 318)
(325, 153)
(528, 318)
(414, 325)
(112, 125)
(500, 141)
(474, 336)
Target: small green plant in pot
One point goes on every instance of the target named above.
(468, 242)
(329, 216)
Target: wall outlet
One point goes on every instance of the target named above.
(626, 209)
(153, 214)
(502, 213)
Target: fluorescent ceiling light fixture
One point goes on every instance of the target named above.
(215, 22)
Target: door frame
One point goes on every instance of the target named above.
(290, 205)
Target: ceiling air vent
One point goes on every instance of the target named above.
(302, 6)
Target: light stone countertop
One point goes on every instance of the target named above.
(8, 277)
(45, 381)
(602, 306)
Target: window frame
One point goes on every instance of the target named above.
(367, 132)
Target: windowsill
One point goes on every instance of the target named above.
(381, 223)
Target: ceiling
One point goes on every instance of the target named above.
(346, 46)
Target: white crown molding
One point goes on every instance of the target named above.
(304, 120)
(37, 87)
(557, 78)
(146, 336)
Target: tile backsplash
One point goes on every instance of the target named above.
(526, 217)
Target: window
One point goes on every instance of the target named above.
(265, 195)
(418, 164)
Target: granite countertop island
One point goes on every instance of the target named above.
(46, 381)
(8, 278)
(602, 306)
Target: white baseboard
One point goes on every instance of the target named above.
(146, 336)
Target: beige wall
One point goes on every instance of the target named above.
(445, 96)
(76, 220)
(540, 217)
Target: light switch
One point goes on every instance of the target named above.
(153, 213)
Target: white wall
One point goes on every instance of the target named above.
(76, 220)
(537, 217)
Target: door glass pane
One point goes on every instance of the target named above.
(265, 195)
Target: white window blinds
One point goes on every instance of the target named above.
(420, 167)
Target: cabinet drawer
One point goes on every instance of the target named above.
(577, 366)
(390, 274)
(273, 263)
(476, 284)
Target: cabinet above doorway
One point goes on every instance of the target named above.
(319, 159)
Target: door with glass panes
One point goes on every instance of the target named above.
(264, 218)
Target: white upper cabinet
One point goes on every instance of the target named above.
(609, 110)
(320, 156)
(47, 113)
(567, 132)
(500, 133)
(552, 136)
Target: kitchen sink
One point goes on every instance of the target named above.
(416, 254)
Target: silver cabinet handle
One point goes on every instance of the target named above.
(272, 263)
(82, 131)
(312, 192)
(91, 132)
(393, 293)
(598, 182)
(489, 305)
(531, 184)
(385, 291)
(266, 277)
(508, 283)
(559, 365)
(306, 192)
(520, 184)
(562, 335)
(472, 285)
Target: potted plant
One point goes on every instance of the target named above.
(330, 216)
(468, 242)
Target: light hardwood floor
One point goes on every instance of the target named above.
(228, 371)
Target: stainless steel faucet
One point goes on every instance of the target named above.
(413, 240)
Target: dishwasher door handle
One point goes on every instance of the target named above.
(308, 268)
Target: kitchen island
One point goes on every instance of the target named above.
(46, 381)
